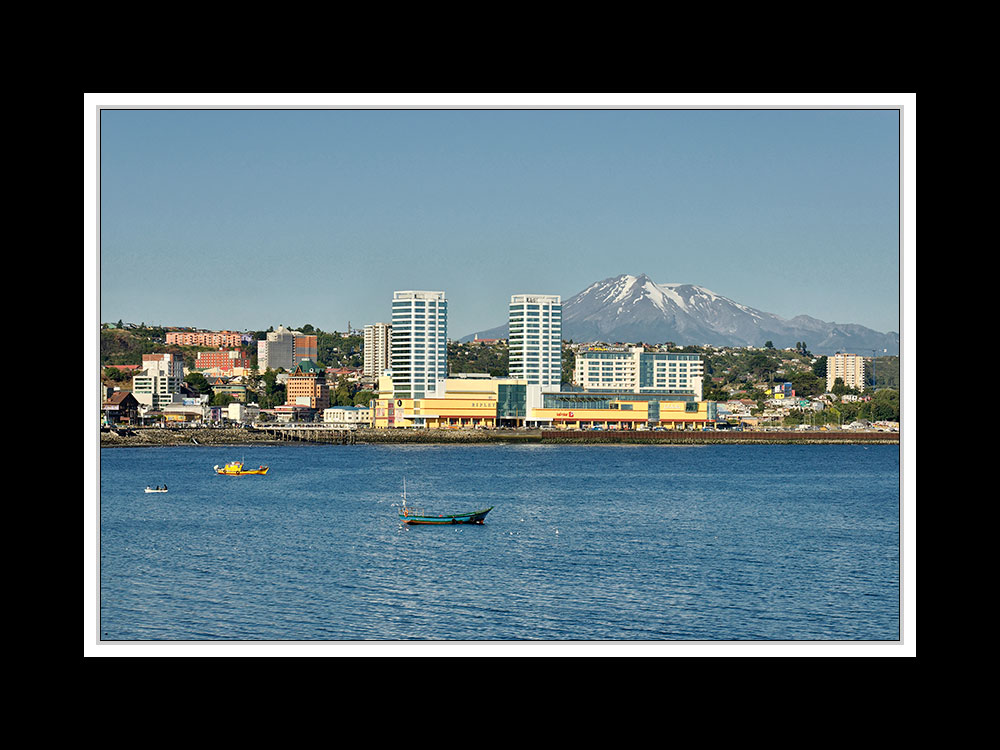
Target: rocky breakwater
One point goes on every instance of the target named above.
(160, 436)
(136, 437)
(446, 436)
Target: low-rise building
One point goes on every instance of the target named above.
(121, 407)
(485, 402)
(624, 411)
(348, 417)
(237, 412)
(194, 409)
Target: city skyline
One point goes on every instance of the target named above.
(253, 218)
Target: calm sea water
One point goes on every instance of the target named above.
(585, 543)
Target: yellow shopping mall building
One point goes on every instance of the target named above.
(482, 401)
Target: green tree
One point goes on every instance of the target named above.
(361, 398)
(341, 396)
(221, 399)
(761, 366)
(807, 384)
(117, 376)
(196, 381)
(884, 406)
(273, 393)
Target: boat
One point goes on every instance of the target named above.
(235, 469)
(419, 517)
(158, 489)
(416, 518)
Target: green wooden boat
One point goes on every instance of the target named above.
(419, 517)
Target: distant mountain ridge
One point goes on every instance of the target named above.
(630, 308)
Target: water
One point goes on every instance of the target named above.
(586, 543)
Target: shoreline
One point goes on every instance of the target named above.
(236, 436)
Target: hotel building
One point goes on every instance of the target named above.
(535, 338)
(419, 355)
(848, 367)
(306, 386)
(378, 343)
(632, 369)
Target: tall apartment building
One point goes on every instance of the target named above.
(419, 356)
(849, 367)
(632, 369)
(160, 380)
(535, 338)
(277, 350)
(378, 343)
(284, 348)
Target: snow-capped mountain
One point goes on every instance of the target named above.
(630, 308)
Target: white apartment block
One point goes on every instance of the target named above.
(277, 350)
(419, 357)
(634, 370)
(378, 344)
(535, 338)
(159, 383)
(170, 365)
(849, 367)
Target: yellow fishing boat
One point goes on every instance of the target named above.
(235, 469)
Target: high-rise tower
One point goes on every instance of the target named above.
(419, 343)
(378, 339)
(535, 339)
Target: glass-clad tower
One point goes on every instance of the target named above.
(419, 343)
(535, 339)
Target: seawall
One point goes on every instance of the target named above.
(163, 436)
(692, 437)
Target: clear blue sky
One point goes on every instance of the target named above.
(245, 219)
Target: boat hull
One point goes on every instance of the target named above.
(235, 469)
(416, 519)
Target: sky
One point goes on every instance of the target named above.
(243, 218)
